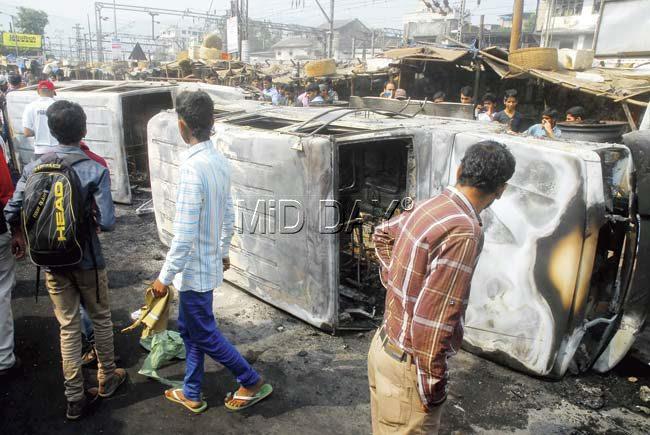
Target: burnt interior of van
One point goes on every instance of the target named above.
(372, 184)
(137, 110)
(613, 262)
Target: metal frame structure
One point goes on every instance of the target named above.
(218, 20)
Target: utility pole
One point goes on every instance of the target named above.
(153, 14)
(546, 39)
(90, 38)
(331, 49)
(372, 44)
(330, 20)
(242, 19)
(11, 30)
(77, 27)
(477, 60)
(517, 18)
(115, 18)
(461, 21)
(100, 37)
(597, 31)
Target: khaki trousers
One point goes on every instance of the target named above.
(66, 289)
(395, 403)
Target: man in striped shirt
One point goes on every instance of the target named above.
(427, 257)
(198, 256)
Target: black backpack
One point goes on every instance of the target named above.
(57, 219)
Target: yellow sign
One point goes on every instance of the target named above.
(23, 40)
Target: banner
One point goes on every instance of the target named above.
(23, 40)
(232, 34)
(116, 49)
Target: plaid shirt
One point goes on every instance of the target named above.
(427, 258)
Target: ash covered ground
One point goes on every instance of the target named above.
(320, 380)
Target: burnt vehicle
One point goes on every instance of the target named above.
(118, 113)
(558, 286)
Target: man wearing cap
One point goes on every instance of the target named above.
(35, 119)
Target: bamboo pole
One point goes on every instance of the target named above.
(628, 115)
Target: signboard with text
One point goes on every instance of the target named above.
(22, 40)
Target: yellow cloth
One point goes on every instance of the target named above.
(154, 315)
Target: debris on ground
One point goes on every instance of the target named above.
(633, 380)
(592, 397)
(643, 409)
(644, 393)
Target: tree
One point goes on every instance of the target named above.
(31, 21)
(261, 38)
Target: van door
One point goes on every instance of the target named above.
(282, 185)
(531, 285)
(105, 137)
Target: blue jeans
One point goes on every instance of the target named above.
(198, 329)
(87, 329)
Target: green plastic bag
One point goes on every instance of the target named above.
(163, 348)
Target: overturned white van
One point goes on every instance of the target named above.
(117, 116)
(556, 286)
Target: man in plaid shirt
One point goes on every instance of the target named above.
(427, 257)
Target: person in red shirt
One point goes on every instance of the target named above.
(8, 360)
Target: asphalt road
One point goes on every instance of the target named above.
(320, 380)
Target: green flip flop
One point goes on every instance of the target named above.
(264, 392)
(174, 397)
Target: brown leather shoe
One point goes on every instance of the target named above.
(77, 409)
(108, 387)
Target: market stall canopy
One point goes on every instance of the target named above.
(618, 84)
(435, 54)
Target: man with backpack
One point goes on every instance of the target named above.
(52, 208)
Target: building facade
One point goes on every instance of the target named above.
(567, 23)
(426, 25)
(351, 37)
(297, 49)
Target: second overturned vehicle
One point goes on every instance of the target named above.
(560, 283)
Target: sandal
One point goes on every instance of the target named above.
(264, 392)
(172, 394)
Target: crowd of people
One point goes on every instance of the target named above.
(487, 111)
(63, 170)
(422, 324)
(282, 94)
(64, 241)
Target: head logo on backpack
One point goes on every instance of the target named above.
(56, 218)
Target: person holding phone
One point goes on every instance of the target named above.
(548, 126)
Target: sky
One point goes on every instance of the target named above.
(64, 14)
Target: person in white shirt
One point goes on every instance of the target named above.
(35, 119)
(485, 111)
